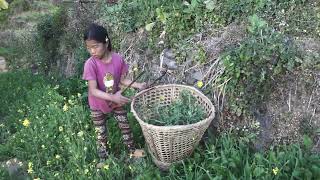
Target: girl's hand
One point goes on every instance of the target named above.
(142, 86)
(119, 99)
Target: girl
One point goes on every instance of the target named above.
(105, 70)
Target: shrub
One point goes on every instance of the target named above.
(49, 31)
(252, 67)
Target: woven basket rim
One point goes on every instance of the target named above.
(174, 127)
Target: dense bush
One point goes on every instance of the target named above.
(49, 32)
(182, 19)
(15, 6)
(252, 67)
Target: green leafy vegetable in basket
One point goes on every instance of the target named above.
(183, 110)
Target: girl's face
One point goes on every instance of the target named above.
(96, 49)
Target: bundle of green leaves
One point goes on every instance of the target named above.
(183, 110)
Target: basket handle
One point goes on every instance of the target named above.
(163, 73)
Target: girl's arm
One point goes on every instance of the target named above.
(116, 98)
(127, 82)
(93, 90)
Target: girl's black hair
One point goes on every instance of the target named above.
(97, 33)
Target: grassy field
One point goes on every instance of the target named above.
(44, 118)
(53, 137)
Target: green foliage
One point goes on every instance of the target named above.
(49, 32)
(81, 55)
(183, 110)
(8, 52)
(73, 86)
(4, 17)
(198, 55)
(61, 129)
(20, 5)
(178, 20)
(15, 7)
(298, 18)
(18, 84)
(230, 157)
(236, 10)
(253, 66)
(4, 173)
(60, 123)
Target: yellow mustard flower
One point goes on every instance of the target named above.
(86, 171)
(30, 170)
(106, 167)
(275, 170)
(80, 134)
(79, 95)
(70, 102)
(58, 156)
(199, 84)
(48, 163)
(36, 179)
(26, 122)
(65, 107)
(3, 4)
(43, 146)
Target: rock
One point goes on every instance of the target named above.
(189, 61)
(189, 79)
(197, 75)
(171, 64)
(316, 148)
(34, 69)
(168, 53)
(14, 167)
(212, 44)
(309, 44)
(264, 137)
(167, 58)
(3, 65)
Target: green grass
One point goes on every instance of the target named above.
(61, 144)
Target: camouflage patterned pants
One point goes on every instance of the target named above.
(99, 121)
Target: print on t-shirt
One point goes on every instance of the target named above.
(108, 82)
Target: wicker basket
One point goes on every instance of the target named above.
(171, 144)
